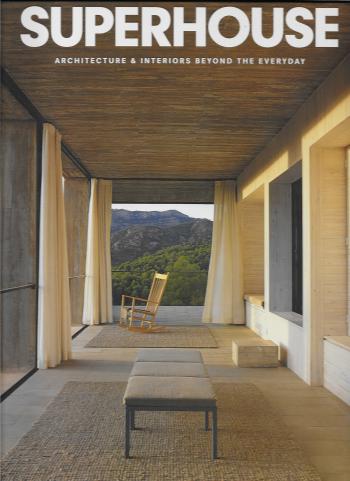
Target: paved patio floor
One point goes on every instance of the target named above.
(319, 421)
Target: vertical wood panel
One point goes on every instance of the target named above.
(252, 228)
(328, 251)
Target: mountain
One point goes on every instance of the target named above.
(140, 239)
(123, 219)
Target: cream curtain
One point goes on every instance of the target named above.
(224, 295)
(98, 273)
(54, 314)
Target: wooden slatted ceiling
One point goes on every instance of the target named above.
(167, 121)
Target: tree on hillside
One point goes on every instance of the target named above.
(187, 265)
(185, 285)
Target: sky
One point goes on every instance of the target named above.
(201, 211)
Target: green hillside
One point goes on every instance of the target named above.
(187, 264)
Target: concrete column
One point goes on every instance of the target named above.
(280, 248)
(76, 196)
(267, 246)
(18, 243)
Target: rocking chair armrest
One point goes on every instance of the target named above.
(134, 297)
(142, 311)
(140, 299)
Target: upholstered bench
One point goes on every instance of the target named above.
(169, 393)
(168, 355)
(173, 369)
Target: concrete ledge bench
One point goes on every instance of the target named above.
(165, 385)
(254, 352)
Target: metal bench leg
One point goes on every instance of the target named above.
(132, 419)
(214, 434)
(127, 432)
(206, 413)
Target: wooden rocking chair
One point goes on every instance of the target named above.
(131, 312)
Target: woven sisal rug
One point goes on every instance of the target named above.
(180, 336)
(80, 438)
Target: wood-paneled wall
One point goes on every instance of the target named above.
(323, 122)
(329, 251)
(329, 236)
(252, 229)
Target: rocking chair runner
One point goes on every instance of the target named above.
(129, 314)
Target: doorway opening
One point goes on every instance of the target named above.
(174, 238)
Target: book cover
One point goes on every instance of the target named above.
(175, 240)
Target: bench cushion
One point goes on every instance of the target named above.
(168, 355)
(178, 369)
(185, 392)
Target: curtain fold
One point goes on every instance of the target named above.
(54, 313)
(98, 273)
(224, 294)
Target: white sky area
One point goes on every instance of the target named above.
(201, 211)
